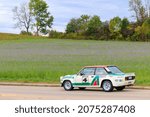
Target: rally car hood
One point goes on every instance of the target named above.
(130, 74)
(70, 76)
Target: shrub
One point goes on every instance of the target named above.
(55, 34)
(25, 33)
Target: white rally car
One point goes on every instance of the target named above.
(107, 77)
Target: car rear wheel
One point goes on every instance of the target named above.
(107, 86)
(120, 88)
(67, 86)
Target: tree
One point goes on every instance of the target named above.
(94, 26)
(139, 10)
(146, 28)
(23, 17)
(147, 7)
(73, 26)
(104, 31)
(78, 25)
(85, 18)
(124, 27)
(84, 22)
(115, 24)
(139, 34)
(43, 18)
(115, 27)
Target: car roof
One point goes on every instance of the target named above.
(99, 66)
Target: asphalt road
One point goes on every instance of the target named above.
(58, 93)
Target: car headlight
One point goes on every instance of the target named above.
(119, 80)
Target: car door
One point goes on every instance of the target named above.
(99, 74)
(84, 76)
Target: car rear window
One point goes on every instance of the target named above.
(114, 69)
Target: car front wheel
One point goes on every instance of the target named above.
(107, 86)
(67, 86)
(120, 88)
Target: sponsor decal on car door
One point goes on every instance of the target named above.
(84, 77)
(94, 80)
(82, 80)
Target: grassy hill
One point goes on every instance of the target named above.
(9, 36)
(28, 59)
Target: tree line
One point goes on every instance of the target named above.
(35, 16)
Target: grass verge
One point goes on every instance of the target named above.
(45, 60)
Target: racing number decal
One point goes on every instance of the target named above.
(85, 80)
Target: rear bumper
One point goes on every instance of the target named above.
(124, 83)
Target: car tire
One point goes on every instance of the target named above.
(82, 88)
(107, 86)
(120, 88)
(67, 85)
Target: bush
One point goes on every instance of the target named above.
(25, 33)
(55, 34)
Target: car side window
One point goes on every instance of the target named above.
(88, 71)
(100, 71)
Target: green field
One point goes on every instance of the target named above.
(45, 60)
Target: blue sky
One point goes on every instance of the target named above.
(64, 10)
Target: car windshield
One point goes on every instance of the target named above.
(114, 69)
